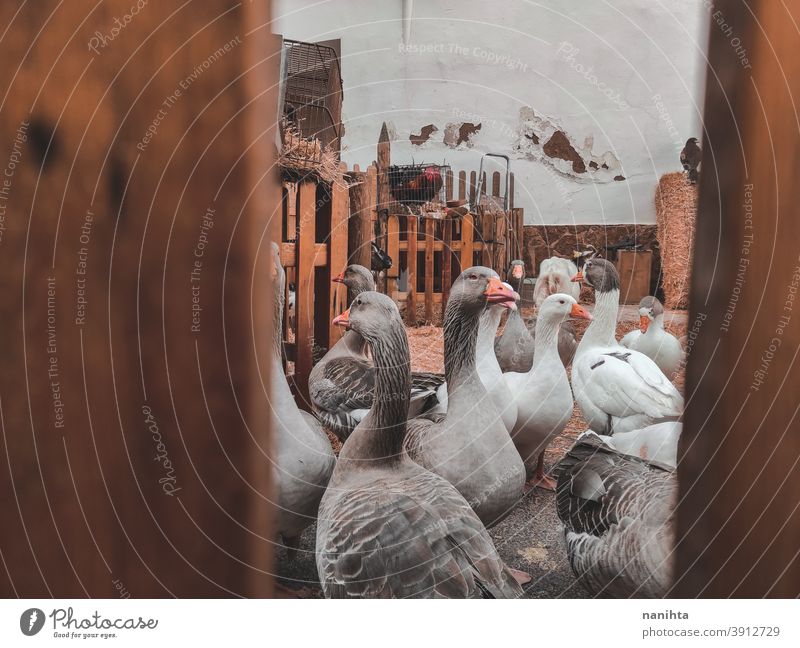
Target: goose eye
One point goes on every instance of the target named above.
(473, 277)
(560, 301)
(358, 301)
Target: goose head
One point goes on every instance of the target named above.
(478, 286)
(369, 315)
(516, 274)
(357, 279)
(600, 274)
(558, 307)
(649, 310)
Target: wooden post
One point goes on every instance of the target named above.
(304, 308)
(738, 520)
(429, 231)
(393, 250)
(337, 254)
(411, 299)
(384, 160)
(362, 204)
(136, 301)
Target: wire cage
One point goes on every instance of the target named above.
(418, 184)
(311, 103)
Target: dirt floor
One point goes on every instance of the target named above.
(531, 537)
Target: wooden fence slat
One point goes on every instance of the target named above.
(511, 191)
(467, 233)
(411, 303)
(430, 224)
(473, 187)
(448, 184)
(496, 183)
(462, 185)
(393, 250)
(304, 304)
(447, 261)
(337, 255)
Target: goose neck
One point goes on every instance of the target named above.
(545, 341)
(380, 435)
(602, 331)
(460, 339)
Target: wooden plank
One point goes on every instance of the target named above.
(487, 221)
(411, 306)
(496, 183)
(634, 273)
(511, 191)
(473, 187)
(462, 185)
(448, 184)
(304, 307)
(467, 233)
(429, 232)
(289, 254)
(135, 450)
(501, 249)
(447, 260)
(738, 522)
(393, 250)
(338, 254)
(400, 296)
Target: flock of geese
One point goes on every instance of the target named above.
(430, 461)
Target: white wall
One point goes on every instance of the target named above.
(588, 68)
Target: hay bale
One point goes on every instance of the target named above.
(676, 211)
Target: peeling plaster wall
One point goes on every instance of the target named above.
(593, 102)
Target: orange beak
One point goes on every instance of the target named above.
(339, 278)
(343, 320)
(580, 312)
(500, 293)
(578, 278)
(644, 322)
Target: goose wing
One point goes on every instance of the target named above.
(617, 513)
(622, 383)
(410, 538)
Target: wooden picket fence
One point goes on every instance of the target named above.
(429, 253)
(313, 251)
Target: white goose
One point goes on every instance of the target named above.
(651, 339)
(617, 389)
(542, 397)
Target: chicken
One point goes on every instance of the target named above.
(691, 156)
(408, 185)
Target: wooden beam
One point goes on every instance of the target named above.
(738, 522)
(135, 300)
(467, 232)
